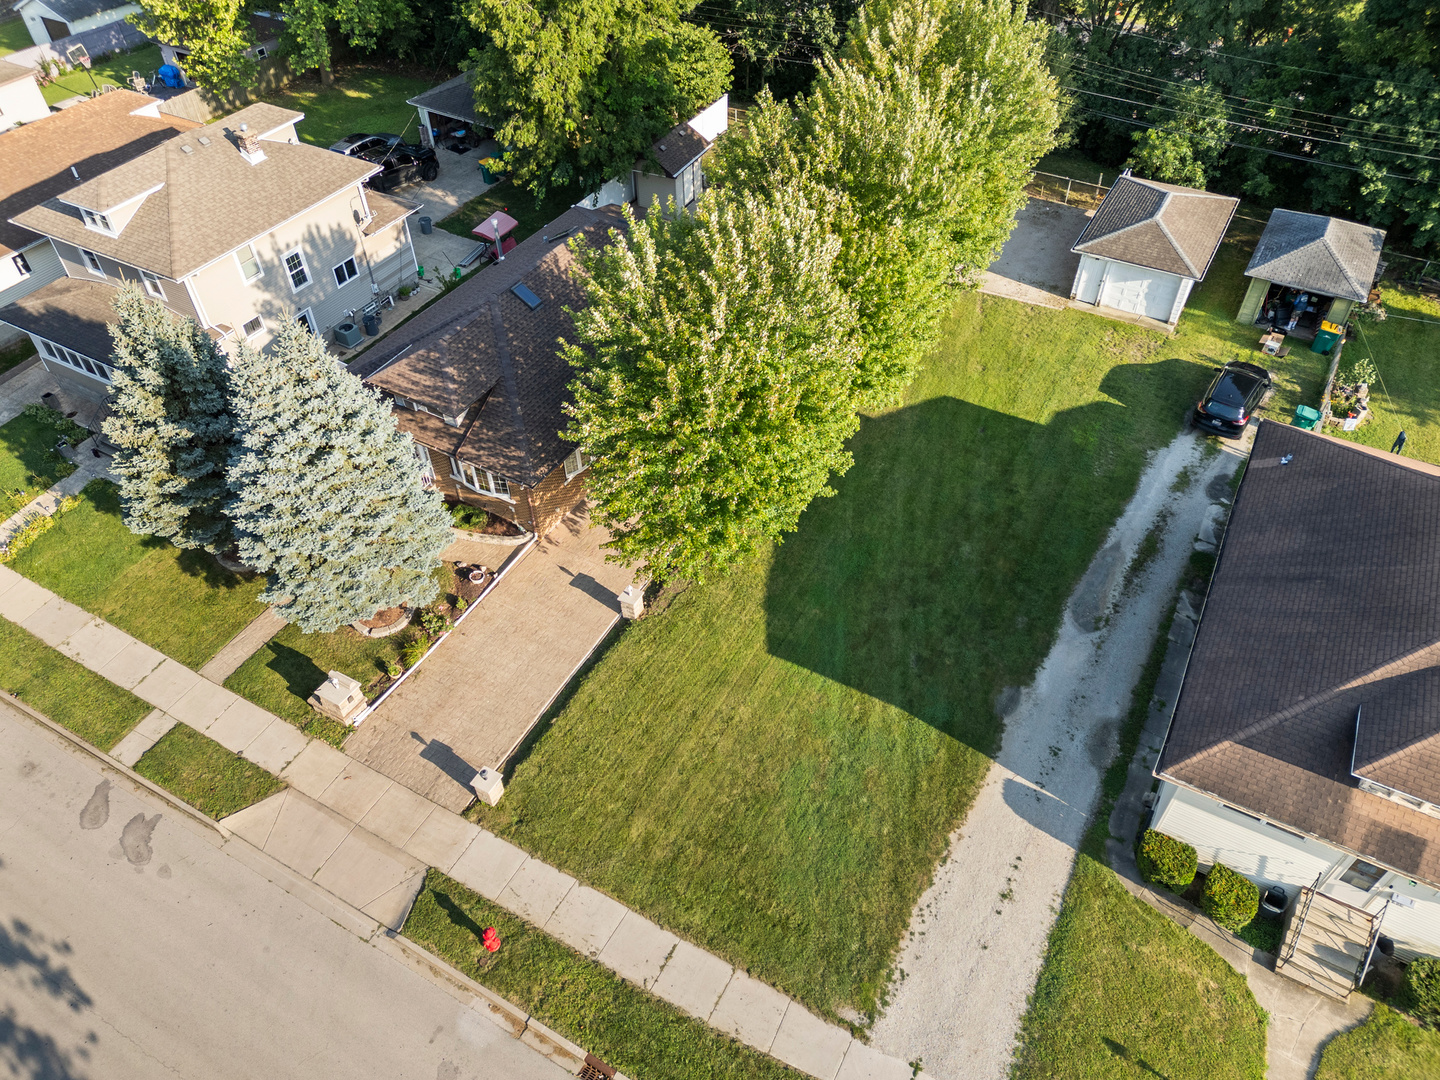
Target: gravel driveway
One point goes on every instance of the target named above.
(978, 934)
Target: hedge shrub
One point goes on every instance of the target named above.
(1229, 898)
(1166, 861)
(1422, 991)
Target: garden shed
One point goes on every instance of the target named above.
(447, 113)
(1308, 268)
(1147, 246)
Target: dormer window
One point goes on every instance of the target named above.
(152, 285)
(98, 222)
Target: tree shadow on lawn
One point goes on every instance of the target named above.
(196, 562)
(938, 573)
(301, 674)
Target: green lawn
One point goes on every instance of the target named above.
(114, 71)
(1385, 1047)
(362, 99)
(292, 664)
(14, 36)
(11, 355)
(203, 773)
(532, 215)
(28, 461)
(73, 696)
(771, 765)
(587, 1003)
(180, 602)
(1125, 992)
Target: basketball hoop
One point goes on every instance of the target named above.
(78, 55)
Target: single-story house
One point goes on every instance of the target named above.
(1304, 751)
(449, 109)
(672, 168)
(20, 99)
(1321, 265)
(51, 20)
(481, 383)
(1147, 246)
(265, 27)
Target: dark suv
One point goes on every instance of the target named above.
(402, 163)
(1234, 394)
(359, 143)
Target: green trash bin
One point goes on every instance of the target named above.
(1326, 337)
(1306, 417)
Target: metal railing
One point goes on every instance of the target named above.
(1374, 941)
(1302, 915)
(1066, 189)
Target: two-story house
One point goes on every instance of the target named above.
(58, 151)
(235, 224)
(481, 383)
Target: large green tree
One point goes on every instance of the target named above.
(328, 499)
(921, 137)
(311, 26)
(714, 369)
(170, 419)
(581, 88)
(216, 33)
(1190, 132)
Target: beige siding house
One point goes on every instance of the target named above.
(236, 224)
(20, 99)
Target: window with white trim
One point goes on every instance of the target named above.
(345, 272)
(253, 327)
(477, 479)
(92, 262)
(296, 268)
(22, 264)
(306, 320)
(261, 52)
(575, 464)
(427, 467)
(75, 360)
(98, 222)
(250, 268)
(152, 285)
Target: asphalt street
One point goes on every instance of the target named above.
(133, 945)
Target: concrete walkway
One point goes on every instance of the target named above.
(979, 933)
(243, 646)
(367, 840)
(48, 501)
(473, 701)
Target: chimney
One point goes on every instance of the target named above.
(250, 145)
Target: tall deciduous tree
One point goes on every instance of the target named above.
(1189, 135)
(715, 363)
(328, 497)
(171, 422)
(923, 133)
(581, 88)
(216, 33)
(310, 24)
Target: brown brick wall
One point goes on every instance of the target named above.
(535, 509)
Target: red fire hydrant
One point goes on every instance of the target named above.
(490, 939)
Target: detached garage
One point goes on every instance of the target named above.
(1147, 246)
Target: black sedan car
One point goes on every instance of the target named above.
(359, 143)
(403, 163)
(1234, 394)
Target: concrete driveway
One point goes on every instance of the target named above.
(1036, 264)
(483, 689)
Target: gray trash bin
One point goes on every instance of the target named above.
(372, 324)
(425, 225)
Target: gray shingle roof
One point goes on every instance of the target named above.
(453, 98)
(1325, 603)
(482, 343)
(209, 201)
(1160, 226)
(1321, 254)
(14, 73)
(70, 311)
(73, 11)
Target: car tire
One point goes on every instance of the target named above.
(430, 171)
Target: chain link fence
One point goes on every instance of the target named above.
(1066, 189)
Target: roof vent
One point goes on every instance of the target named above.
(187, 148)
(662, 146)
(73, 172)
(528, 298)
(203, 141)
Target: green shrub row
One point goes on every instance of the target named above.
(1422, 991)
(1166, 861)
(1229, 898)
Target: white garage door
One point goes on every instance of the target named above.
(1141, 291)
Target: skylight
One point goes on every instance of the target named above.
(529, 299)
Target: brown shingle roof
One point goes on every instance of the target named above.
(483, 342)
(1325, 603)
(677, 148)
(210, 199)
(1160, 226)
(94, 136)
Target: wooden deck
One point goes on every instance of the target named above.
(1325, 943)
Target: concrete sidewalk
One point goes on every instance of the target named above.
(367, 839)
(474, 700)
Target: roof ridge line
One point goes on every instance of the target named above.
(1339, 262)
(1175, 244)
(1399, 665)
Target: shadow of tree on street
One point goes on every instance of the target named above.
(39, 966)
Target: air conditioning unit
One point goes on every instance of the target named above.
(348, 335)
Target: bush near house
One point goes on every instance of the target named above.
(1422, 991)
(1166, 861)
(1385, 1047)
(1229, 898)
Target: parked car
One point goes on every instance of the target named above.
(359, 143)
(403, 163)
(1234, 394)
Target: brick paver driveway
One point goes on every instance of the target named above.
(487, 684)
